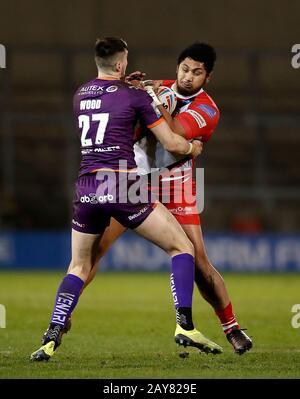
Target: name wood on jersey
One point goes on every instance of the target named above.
(89, 104)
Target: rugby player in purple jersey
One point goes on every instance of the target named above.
(106, 110)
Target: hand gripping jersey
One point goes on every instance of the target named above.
(199, 115)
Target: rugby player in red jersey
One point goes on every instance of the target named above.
(106, 110)
(196, 116)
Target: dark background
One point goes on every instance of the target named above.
(252, 171)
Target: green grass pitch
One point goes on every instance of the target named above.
(124, 324)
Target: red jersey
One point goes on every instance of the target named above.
(198, 114)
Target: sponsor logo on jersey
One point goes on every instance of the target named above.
(208, 110)
(187, 210)
(92, 89)
(89, 199)
(89, 104)
(111, 89)
(105, 198)
(87, 151)
(107, 149)
(93, 199)
(78, 224)
(135, 215)
(198, 118)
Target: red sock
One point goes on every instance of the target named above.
(227, 318)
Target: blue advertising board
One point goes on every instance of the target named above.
(228, 252)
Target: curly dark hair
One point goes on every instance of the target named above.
(201, 52)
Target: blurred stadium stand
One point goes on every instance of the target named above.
(250, 163)
(252, 173)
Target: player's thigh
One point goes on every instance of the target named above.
(161, 228)
(84, 251)
(110, 235)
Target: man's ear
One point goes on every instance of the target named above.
(118, 66)
(177, 69)
(208, 78)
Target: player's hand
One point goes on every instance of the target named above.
(197, 148)
(151, 93)
(135, 78)
(155, 84)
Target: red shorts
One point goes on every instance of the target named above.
(180, 200)
(183, 213)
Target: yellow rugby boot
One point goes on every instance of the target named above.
(51, 340)
(195, 339)
(44, 353)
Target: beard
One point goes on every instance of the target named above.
(186, 92)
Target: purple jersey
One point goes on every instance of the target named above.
(106, 112)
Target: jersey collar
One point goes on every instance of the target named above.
(181, 97)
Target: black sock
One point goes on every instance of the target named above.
(184, 318)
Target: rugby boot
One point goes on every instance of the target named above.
(195, 339)
(239, 340)
(63, 331)
(51, 340)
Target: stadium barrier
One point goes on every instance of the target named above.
(228, 252)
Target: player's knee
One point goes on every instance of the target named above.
(186, 247)
(201, 258)
(79, 270)
(190, 248)
(204, 268)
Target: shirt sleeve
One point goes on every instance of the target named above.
(199, 120)
(168, 82)
(146, 111)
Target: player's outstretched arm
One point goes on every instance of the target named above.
(175, 143)
(174, 125)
